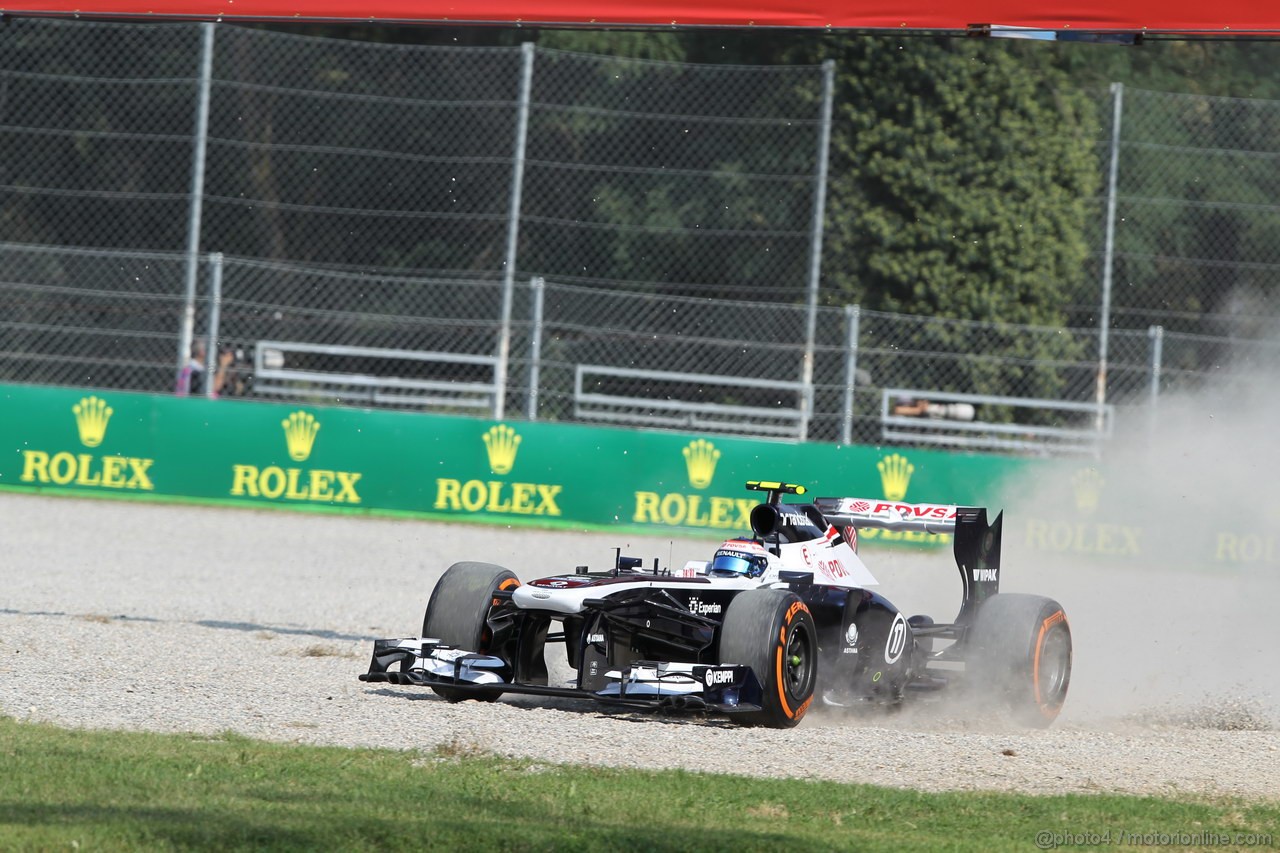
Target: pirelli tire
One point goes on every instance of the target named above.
(1019, 657)
(772, 631)
(458, 613)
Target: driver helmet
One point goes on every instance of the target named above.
(739, 558)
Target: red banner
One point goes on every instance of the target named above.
(1152, 16)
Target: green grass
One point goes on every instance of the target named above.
(62, 789)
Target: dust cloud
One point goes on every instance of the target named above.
(1165, 553)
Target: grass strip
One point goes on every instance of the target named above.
(96, 790)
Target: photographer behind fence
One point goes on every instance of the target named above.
(228, 377)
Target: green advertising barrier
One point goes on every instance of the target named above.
(549, 474)
(437, 465)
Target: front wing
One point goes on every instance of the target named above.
(647, 685)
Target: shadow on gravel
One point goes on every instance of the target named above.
(254, 627)
(220, 624)
(6, 611)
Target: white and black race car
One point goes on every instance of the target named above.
(758, 632)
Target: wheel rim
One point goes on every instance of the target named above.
(798, 662)
(1055, 668)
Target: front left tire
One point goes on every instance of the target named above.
(458, 613)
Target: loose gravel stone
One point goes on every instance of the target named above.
(118, 615)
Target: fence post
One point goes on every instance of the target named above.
(1156, 334)
(215, 317)
(1109, 248)
(501, 369)
(852, 318)
(196, 203)
(535, 347)
(513, 222)
(815, 246)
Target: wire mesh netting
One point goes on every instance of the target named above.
(379, 210)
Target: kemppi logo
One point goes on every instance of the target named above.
(714, 677)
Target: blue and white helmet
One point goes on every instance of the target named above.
(739, 558)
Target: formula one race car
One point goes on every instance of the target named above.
(756, 633)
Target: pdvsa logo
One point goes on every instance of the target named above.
(501, 445)
(63, 468)
(296, 483)
(694, 510)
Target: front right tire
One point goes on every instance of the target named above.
(772, 631)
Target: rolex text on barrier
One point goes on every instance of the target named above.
(110, 443)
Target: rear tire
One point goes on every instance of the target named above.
(458, 613)
(1019, 657)
(772, 631)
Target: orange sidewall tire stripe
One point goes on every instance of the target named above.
(782, 647)
(1035, 664)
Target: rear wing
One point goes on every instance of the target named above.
(976, 544)
(868, 512)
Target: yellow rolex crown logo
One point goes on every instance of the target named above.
(92, 415)
(700, 458)
(300, 430)
(895, 476)
(501, 443)
(1087, 484)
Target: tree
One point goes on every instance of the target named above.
(963, 175)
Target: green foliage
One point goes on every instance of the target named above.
(960, 178)
(961, 186)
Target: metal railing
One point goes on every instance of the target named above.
(691, 401)
(375, 376)
(968, 421)
(549, 351)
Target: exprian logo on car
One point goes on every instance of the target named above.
(703, 608)
(715, 677)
